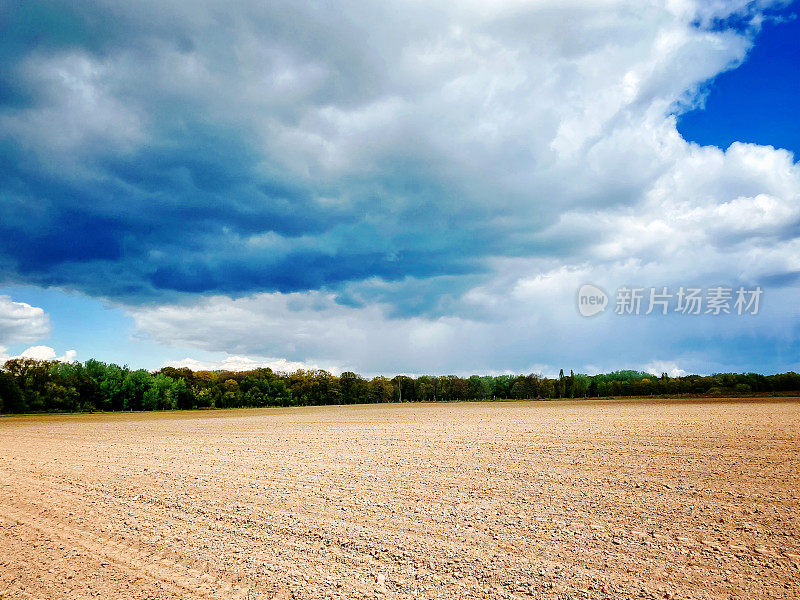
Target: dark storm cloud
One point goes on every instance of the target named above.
(388, 153)
(125, 178)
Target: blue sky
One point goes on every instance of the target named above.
(757, 101)
(313, 185)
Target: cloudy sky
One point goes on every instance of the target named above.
(386, 187)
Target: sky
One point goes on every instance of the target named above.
(401, 187)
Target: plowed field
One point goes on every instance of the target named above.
(629, 499)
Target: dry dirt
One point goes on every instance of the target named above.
(632, 499)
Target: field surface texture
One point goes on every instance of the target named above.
(631, 499)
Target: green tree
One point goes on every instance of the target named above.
(479, 388)
(11, 398)
(111, 386)
(32, 377)
(353, 388)
(381, 389)
(181, 395)
(134, 385)
(580, 385)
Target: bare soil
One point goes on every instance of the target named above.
(627, 499)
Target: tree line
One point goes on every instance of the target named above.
(29, 385)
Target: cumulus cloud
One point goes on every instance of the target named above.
(21, 322)
(245, 363)
(196, 153)
(525, 324)
(657, 367)
(47, 353)
(325, 185)
(39, 353)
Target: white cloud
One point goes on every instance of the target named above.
(39, 353)
(21, 322)
(78, 110)
(245, 363)
(657, 367)
(309, 325)
(711, 217)
(534, 139)
(564, 137)
(47, 353)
